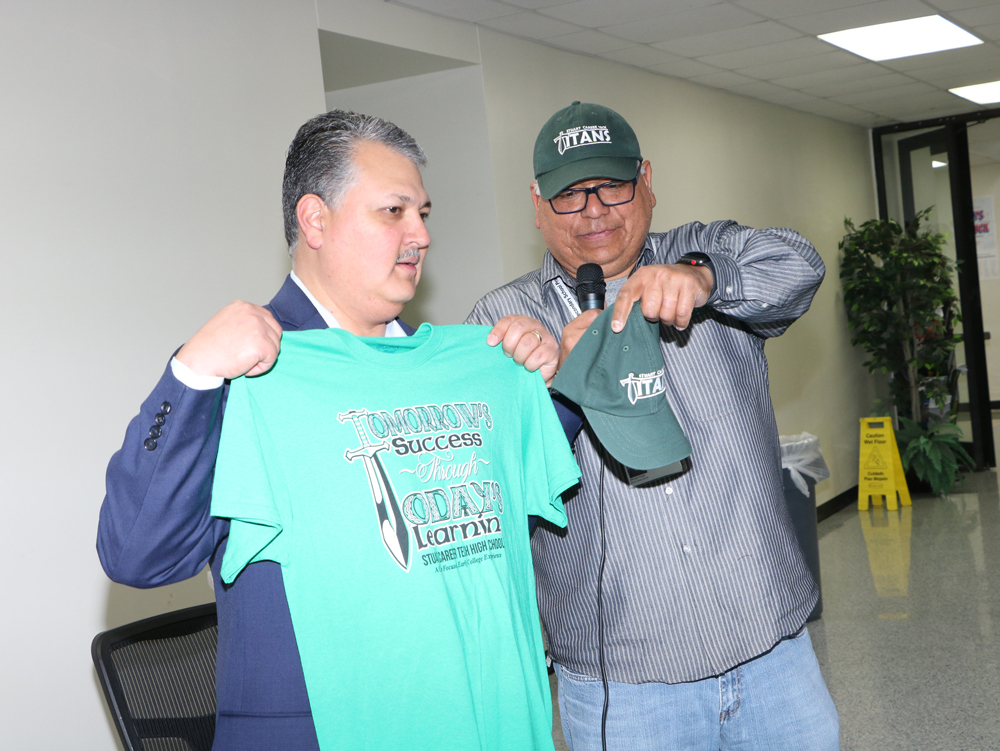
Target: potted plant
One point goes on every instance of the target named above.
(902, 307)
(933, 453)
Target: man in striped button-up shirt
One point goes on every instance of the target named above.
(698, 624)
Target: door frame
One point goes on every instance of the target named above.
(953, 132)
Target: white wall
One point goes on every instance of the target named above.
(446, 113)
(986, 182)
(142, 151)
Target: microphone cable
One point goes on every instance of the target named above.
(600, 613)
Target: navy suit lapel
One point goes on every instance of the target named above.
(293, 310)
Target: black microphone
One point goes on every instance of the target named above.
(590, 286)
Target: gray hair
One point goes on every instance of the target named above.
(321, 159)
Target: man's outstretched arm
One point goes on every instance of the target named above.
(155, 526)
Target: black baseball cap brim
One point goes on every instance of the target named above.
(611, 167)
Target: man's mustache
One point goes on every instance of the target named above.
(408, 253)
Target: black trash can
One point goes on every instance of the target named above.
(802, 465)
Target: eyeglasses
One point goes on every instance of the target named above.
(614, 193)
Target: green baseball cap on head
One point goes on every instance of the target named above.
(619, 380)
(581, 142)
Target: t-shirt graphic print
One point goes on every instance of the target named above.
(392, 479)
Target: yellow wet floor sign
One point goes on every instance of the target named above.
(880, 471)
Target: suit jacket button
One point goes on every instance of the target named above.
(159, 419)
(150, 444)
(165, 408)
(154, 432)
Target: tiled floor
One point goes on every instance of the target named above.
(909, 641)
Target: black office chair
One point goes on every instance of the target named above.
(158, 677)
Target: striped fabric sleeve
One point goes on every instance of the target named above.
(766, 278)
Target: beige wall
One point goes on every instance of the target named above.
(714, 156)
(446, 113)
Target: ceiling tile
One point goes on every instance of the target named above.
(836, 111)
(988, 32)
(982, 16)
(534, 4)
(966, 57)
(790, 99)
(773, 94)
(768, 53)
(950, 5)
(881, 11)
(641, 55)
(867, 83)
(837, 75)
(742, 37)
(952, 76)
(686, 23)
(595, 13)
(802, 65)
(465, 10)
(588, 41)
(864, 98)
(906, 114)
(530, 25)
(683, 68)
(739, 46)
(724, 79)
(786, 8)
(896, 106)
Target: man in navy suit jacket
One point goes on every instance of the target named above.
(354, 210)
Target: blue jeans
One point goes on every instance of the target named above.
(776, 702)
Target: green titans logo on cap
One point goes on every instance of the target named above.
(584, 135)
(581, 142)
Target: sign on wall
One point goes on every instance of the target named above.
(986, 237)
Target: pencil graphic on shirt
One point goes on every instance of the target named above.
(394, 534)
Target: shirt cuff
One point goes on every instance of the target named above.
(726, 276)
(192, 380)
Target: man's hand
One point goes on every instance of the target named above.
(241, 339)
(574, 330)
(529, 343)
(668, 293)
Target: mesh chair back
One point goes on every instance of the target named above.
(158, 677)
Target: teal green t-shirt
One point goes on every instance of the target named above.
(392, 480)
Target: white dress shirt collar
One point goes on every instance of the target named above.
(392, 328)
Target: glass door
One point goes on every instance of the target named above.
(928, 168)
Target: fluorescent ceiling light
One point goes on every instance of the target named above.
(935, 164)
(888, 41)
(981, 93)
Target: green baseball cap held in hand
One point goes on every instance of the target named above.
(581, 142)
(619, 380)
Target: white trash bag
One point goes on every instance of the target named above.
(801, 457)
